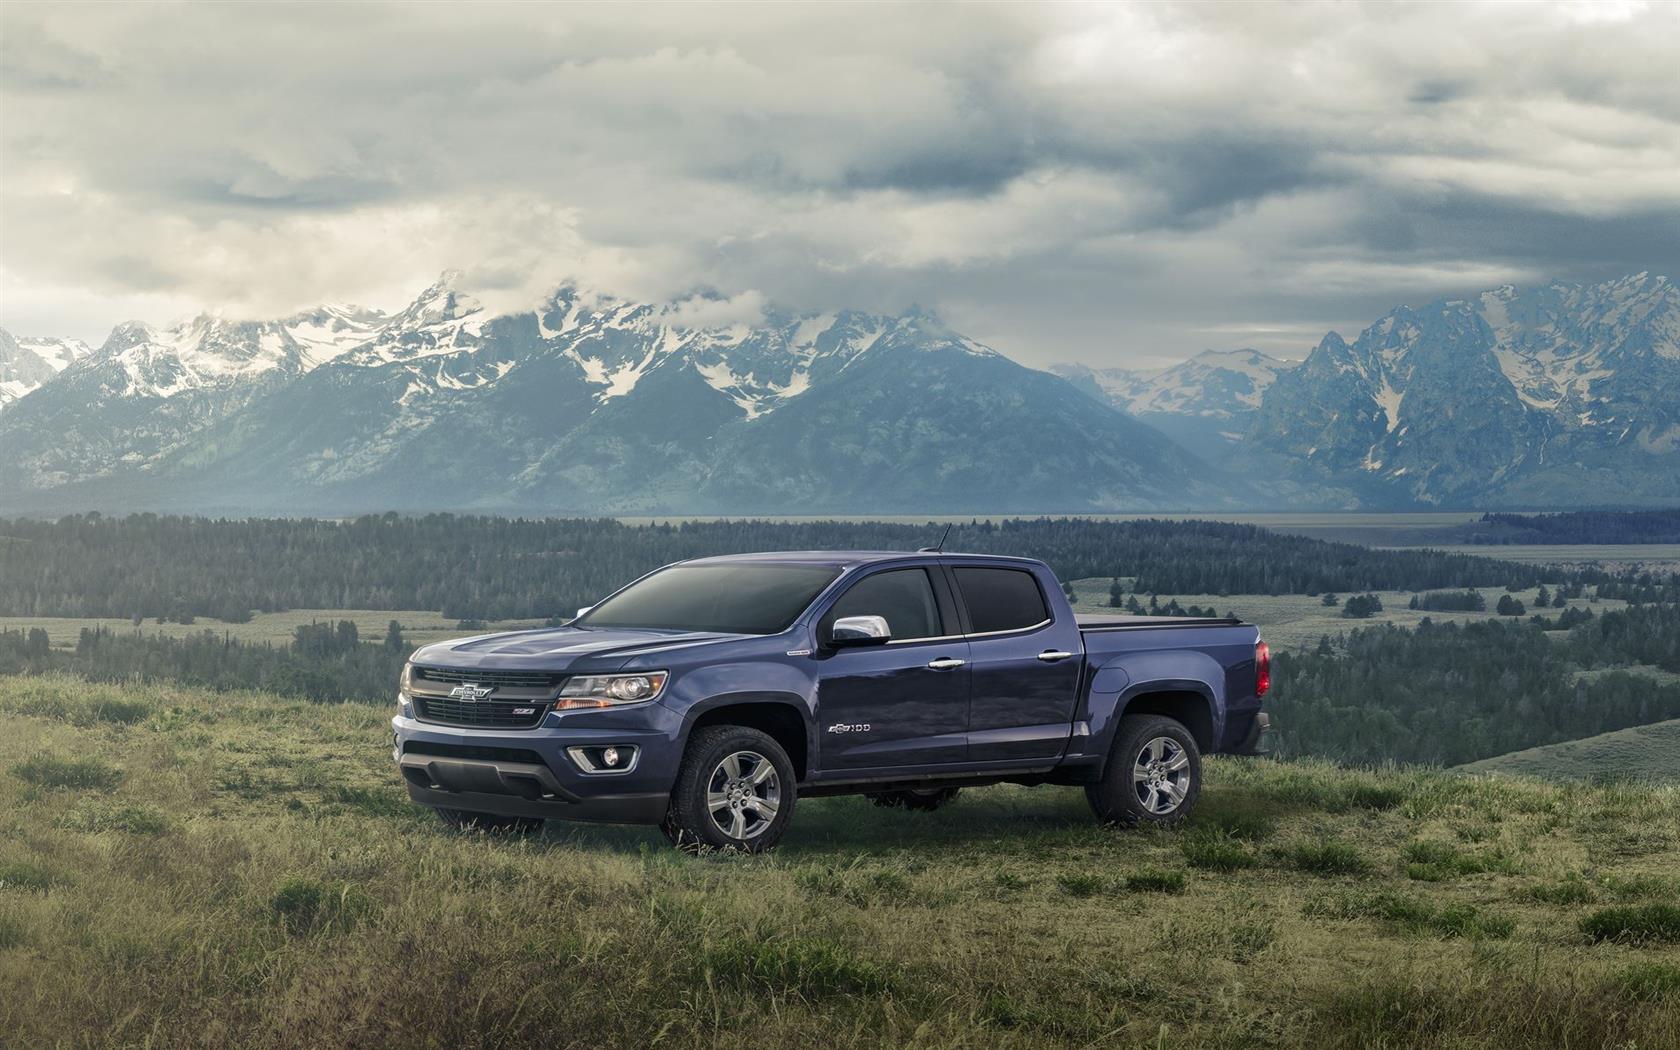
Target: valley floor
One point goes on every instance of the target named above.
(179, 868)
(1287, 620)
(1298, 621)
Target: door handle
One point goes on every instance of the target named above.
(946, 663)
(1050, 656)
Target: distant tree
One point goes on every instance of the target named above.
(1543, 599)
(1116, 594)
(1467, 600)
(38, 645)
(1509, 606)
(1330, 601)
(394, 638)
(1362, 607)
(1559, 601)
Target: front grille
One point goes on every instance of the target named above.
(482, 754)
(507, 679)
(487, 714)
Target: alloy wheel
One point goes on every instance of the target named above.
(1161, 775)
(743, 795)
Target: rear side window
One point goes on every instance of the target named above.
(1001, 599)
(903, 596)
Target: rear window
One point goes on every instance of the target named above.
(1001, 599)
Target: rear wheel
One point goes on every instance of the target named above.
(924, 800)
(1154, 773)
(735, 791)
(490, 822)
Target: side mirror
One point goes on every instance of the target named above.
(852, 631)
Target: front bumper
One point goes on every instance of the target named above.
(527, 773)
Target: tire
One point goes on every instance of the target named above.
(923, 800)
(490, 823)
(1153, 776)
(735, 791)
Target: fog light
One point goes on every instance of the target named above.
(599, 759)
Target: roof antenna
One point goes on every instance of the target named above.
(941, 548)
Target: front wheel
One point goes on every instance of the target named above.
(735, 791)
(1153, 776)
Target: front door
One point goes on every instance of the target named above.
(902, 704)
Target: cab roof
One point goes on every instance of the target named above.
(846, 559)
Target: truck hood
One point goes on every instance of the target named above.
(557, 648)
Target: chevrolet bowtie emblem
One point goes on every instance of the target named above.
(471, 691)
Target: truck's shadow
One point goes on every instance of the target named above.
(823, 826)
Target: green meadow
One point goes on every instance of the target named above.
(187, 869)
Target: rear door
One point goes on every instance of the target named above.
(904, 703)
(1025, 666)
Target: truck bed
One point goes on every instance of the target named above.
(1125, 623)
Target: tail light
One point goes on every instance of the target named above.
(1262, 668)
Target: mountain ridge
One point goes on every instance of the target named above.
(1552, 396)
(588, 403)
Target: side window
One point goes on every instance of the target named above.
(903, 596)
(1001, 599)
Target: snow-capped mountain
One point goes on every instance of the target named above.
(28, 362)
(145, 390)
(1205, 404)
(209, 351)
(1554, 396)
(1559, 395)
(586, 404)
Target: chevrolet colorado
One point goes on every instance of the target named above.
(708, 695)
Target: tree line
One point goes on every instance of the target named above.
(327, 663)
(145, 566)
(1450, 693)
(1580, 526)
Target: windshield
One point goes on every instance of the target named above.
(737, 598)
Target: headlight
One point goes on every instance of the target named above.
(404, 681)
(611, 690)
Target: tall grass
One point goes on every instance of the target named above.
(256, 878)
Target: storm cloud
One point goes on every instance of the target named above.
(1120, 184)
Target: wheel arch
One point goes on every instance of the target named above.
(1189, 703)
(782, 716)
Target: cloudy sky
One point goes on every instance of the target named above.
(1120, 184)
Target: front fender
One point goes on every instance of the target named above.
(721, 685)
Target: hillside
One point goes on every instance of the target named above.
(1644, 752)
(162, 842)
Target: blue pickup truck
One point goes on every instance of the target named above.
(709, 695)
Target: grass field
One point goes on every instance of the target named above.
(419, 627)
(180, 869)
(1650, 751)
(1656, 556)
(1295, 621)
